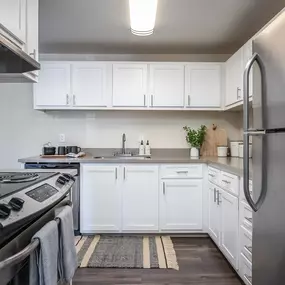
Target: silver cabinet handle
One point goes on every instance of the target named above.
(151, 100)
(227, 182)
(163, 188)
(188, 100)
(74, 100)
(247, 132)
(249, 278)
(218, 197)
(238, 93)
(116, 173)
(33, 54)
(215, 195)
(212, 175)
(182, 171)
(124, 173)
(144, 99)
(67, 99)
(249, 248)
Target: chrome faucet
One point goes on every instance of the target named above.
(124, 144)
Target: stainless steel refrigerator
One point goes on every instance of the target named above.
(267, 132)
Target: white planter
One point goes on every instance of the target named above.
(194, 152)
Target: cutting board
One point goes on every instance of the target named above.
(215, 136)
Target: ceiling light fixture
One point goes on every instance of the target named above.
(142, 16)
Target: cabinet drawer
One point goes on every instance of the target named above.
(246, 243)
(214, 175)
(245, 216)
(245, 270)
(242, 190)
(230, 182)
(182, 171)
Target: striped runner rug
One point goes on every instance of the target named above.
(126, 252)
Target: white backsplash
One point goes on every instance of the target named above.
(24, 130)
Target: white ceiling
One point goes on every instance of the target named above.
(182, 26)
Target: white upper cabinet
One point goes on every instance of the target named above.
(166, 85)
(53, 88)
(181, 205)
(234, 74)
(247, 54)
(100, 197)
(88, 84)
(129, 85)
(203, 85)
(229, 227)
(140, 198)
(13, 18)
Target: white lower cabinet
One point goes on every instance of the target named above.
(140, 198)
(245, 270)
(214, 214)
(229, 227)
(100, 199)
(181, 205)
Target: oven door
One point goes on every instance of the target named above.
(19, 274)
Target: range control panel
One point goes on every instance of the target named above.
(31, 200)
(42, 192)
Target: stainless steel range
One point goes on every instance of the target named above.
(28, 200)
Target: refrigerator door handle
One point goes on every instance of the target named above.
(248, 132)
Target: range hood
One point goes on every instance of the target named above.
(13, 60)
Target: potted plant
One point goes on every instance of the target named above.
(195, 138)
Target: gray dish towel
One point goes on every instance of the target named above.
(43, 261)
(67, 258)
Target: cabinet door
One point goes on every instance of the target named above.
(229, 227)
(13, 18)
(234, 73)
(167, 85)
(181, 205)
(53, 88)
(32, 33)
(99, 199)
(88, 84)
(140, 198)
(203, 85)
(129, 85)
(214, 214)
(247, 54)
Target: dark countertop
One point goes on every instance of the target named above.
(230, 164)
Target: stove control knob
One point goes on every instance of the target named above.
(68, 176)
(61, 180)
(16, 203)
(5, 211)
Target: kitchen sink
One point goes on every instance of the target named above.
(123, 156)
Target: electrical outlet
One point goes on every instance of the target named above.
(62, 138)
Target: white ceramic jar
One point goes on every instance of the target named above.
(222, 151)
(234, 145)
(240, 150)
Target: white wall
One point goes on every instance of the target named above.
(24, 130)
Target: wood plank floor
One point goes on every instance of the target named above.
(200, 262)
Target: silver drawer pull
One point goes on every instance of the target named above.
(226, 181)
(184, 171)
(249, 220)
(249, 278)
(212, 175)
(248, 248)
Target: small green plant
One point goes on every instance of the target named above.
(195, 137)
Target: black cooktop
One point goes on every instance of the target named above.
(12, 182)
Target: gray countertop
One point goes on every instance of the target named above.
(231, 164)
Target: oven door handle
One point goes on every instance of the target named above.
(24, 253)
